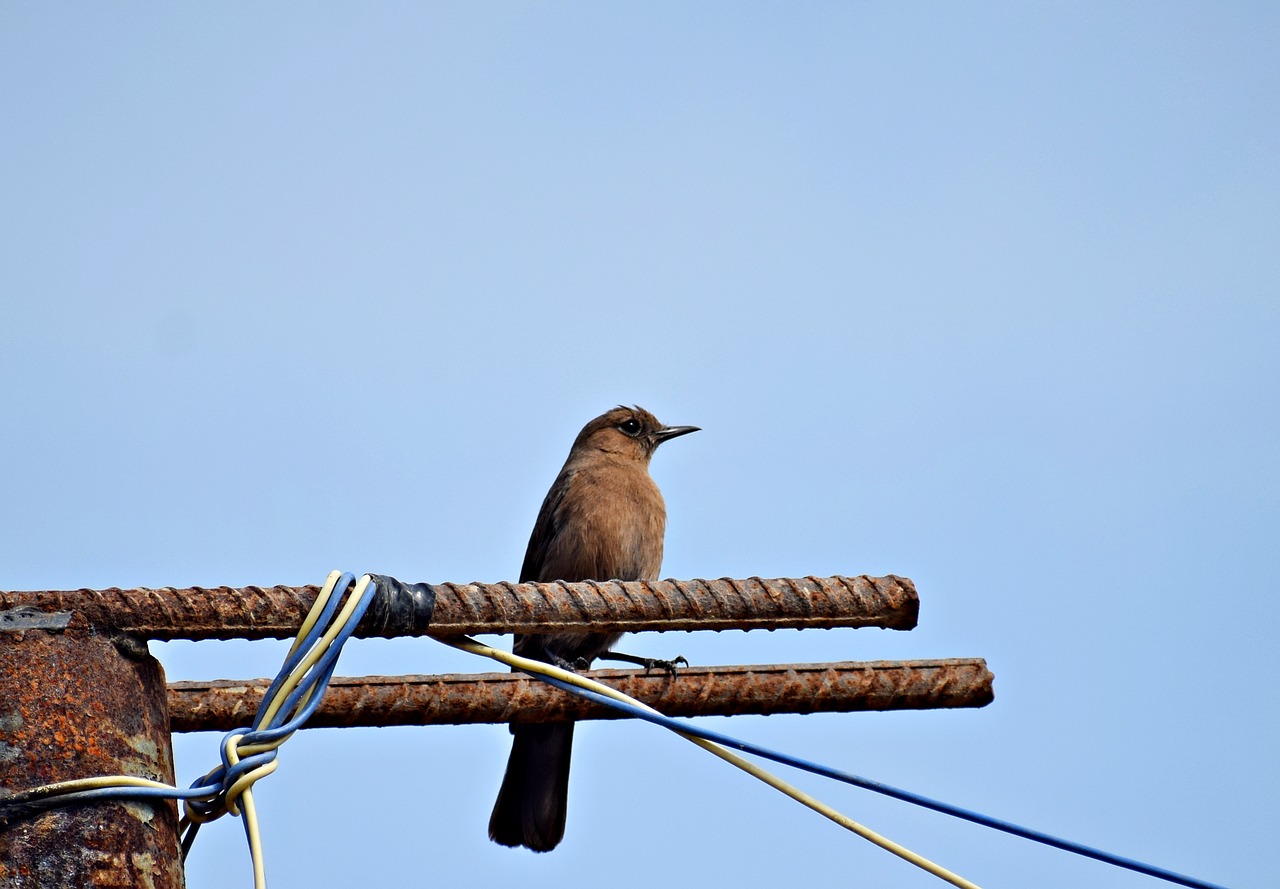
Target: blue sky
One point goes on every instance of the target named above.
(984, 295)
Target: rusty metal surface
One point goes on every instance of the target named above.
(75, 705)
(454, 699)
(726, 604)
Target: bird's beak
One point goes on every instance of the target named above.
(667, 432)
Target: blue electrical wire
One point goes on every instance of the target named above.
(207, 795)
(302, 647)
(206, 798)
(123, 792)
(886, 789)
(313, 683)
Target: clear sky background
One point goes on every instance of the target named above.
(981, 294)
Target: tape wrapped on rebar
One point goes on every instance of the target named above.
(397, 607)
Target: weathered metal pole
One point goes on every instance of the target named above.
(76, 704)
(453, 699)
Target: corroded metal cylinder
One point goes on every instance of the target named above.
(75, 704)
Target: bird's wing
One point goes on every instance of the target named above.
(545, 530)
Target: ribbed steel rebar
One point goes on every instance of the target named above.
(276, 612)
(695, 691)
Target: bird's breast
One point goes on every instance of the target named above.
(611, 527)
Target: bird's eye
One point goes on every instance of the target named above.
(631, 427)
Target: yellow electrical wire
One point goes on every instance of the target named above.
(532, 666)
(317, 651)
(75, 785)
(238, 799)
(317, 607)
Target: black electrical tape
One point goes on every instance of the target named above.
(397, 608)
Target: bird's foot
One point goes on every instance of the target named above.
(649, 663)
(670, 666)
(576, 665)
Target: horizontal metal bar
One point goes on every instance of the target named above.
(455, 699)
(468, 608)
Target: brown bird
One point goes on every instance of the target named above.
(603, 519)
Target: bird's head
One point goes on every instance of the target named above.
(629, 432)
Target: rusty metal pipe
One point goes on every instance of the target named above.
(75, 703)
(454, 699)
(605, 606)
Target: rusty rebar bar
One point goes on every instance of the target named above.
(276, 612)
(455, 699)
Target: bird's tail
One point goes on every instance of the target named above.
(531, 805)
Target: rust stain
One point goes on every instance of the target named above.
(78, 707)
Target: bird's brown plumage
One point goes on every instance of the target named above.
(603, 519)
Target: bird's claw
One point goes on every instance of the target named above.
(670, 666)
(576, 665)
